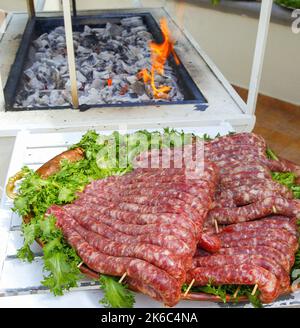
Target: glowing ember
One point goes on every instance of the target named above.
(159, 54)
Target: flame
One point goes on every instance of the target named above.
(109, 82)
(159, 54)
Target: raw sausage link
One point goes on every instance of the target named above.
(243, 274)
(265, 251)
(84, 216)
(261, 241)
(257, 260)
(268, 206)
(272, 222)
(166, 286)
(244, 138)
(150, 253)
(141, 218)
(210, 243)
(282, 236)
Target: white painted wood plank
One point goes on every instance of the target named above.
(16, 163)
(41, 155)
(259, 53)
(37, 140)
(15, 241)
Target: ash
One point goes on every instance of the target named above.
(107, 60)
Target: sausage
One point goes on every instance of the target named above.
(248, 180)
(256, 260)
(87, 217)
(261, 241)
(282, 165)
(189, 156)
(258, 175)
(199, 202)
(193, 195)
(282, 236)
(139, 286)
(267, 185)
(179, 182)
(260, 209)
(289, 166)
(153, 205)
(170, 242)
(139, 218)
(165, 285)
(210, 243)
(53, 165)
(234, 199)
(265, 251)
(246, 151)
(244, 138)
(155, 255)
(272, 222)
(242, 167)
(244, 274)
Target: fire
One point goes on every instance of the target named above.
(159, 54)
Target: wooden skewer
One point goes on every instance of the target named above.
(123, 277)
(254, 290)
(274, 209)
(70, 52)
(236, 292)
(80, 264)
(216, 226)
(189, 287)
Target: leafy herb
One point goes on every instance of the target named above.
(288, 179)
(229, 290)
(116, 295)
(289, 3)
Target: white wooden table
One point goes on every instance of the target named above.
(19, 281)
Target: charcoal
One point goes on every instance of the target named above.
(115, 51)
(56, 98)
(80, 77)
(97, 84)
(114, 29)
(132, 21)
(138, 88)
(131, 79)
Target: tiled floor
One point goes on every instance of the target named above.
(279, 123)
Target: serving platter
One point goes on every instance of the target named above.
(23, 279)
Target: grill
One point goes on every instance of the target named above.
(37, 26)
